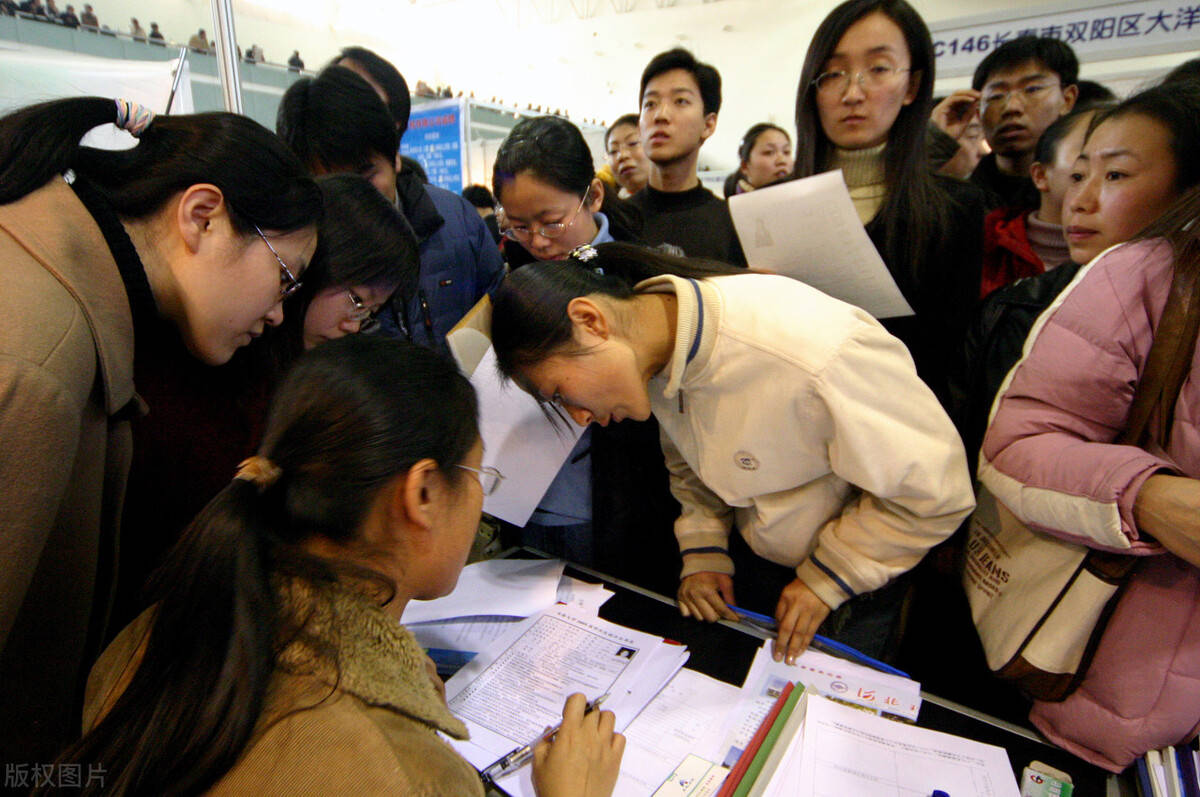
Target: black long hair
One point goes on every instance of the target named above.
(350, 416)
(362, 240)
(529, 309)
(264, 184)
(915, 210)
(553, 150)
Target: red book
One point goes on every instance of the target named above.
(743, 763)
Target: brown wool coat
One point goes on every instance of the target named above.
(375, 732)
(66, 383)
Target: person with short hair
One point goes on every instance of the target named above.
(1024, 85)
(680, 99)
(485, 205)
(156, 36)
(136, 30)
(101, 247)
(198, 42)
(88, 18)
(626, 157)
(69, 18)
(295, 62)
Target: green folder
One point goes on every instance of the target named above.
(768, 744)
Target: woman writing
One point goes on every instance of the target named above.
(273, 659)
(784, 412)
(206, 224)
(862, 106)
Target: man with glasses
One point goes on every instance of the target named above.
(1024, 86)
(680, 99)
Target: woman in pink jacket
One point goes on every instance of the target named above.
(1049, 454)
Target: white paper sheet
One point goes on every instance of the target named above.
(808, 229)
(843, 750)
(513, 690)
(684, 718)
(519, 441)
(494, 587)
(583, 594)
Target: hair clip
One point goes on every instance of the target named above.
(584, 253)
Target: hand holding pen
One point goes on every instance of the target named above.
(582, 756)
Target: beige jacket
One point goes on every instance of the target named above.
(799, 419)
(371, 731)
(66, 381)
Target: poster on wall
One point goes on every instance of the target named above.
(436, 138)
(1097, 31)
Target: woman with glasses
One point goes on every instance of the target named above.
(201, 229)
(862, 106)
(206, 419)
(612, 493)
(273, 660)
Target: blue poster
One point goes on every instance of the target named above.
(435, 138)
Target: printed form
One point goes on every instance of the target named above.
(510, 693)
(842, 750)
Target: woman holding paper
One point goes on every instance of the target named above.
(786, 413)
(862, 106)
(273, 660)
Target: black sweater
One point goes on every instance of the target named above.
(695, 220)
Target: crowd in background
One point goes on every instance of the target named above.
(813, 463)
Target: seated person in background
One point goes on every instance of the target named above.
(155, 34)
(205, 419)
(69, 18)
(337, 123)
(1021, 243)
(680, 98)
(766, 156)
(630, 166)
(88, 18)
(273, 660)
(863, 107)
(1065, 404)
(485, 205)
(1024, 85)
(786, 413)
(136, 30)
(198, 41)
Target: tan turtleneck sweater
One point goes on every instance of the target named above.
(863, 172)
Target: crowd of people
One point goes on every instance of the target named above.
(237, 443)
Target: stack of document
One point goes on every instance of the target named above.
(489, 599)
(821, 748)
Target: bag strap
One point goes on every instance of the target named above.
(1168, 363)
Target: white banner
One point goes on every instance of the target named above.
(1096, 32)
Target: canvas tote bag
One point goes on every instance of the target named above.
(1040, 604)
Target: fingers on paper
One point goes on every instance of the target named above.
(799, 614)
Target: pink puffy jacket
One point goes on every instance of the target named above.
(1048, 455)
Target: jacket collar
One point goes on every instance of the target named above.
(698, 316)
(417, 206)
(378, 659)
(53, 226)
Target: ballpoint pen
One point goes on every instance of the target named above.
(517, 758)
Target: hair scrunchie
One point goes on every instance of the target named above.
(259, 471)
(133, 118)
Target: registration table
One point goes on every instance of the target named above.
(725, 651)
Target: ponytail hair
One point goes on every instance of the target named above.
(264, 184)
(352, 414)
(529, 309)
(552, 150)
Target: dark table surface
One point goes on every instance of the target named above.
(725, 651)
